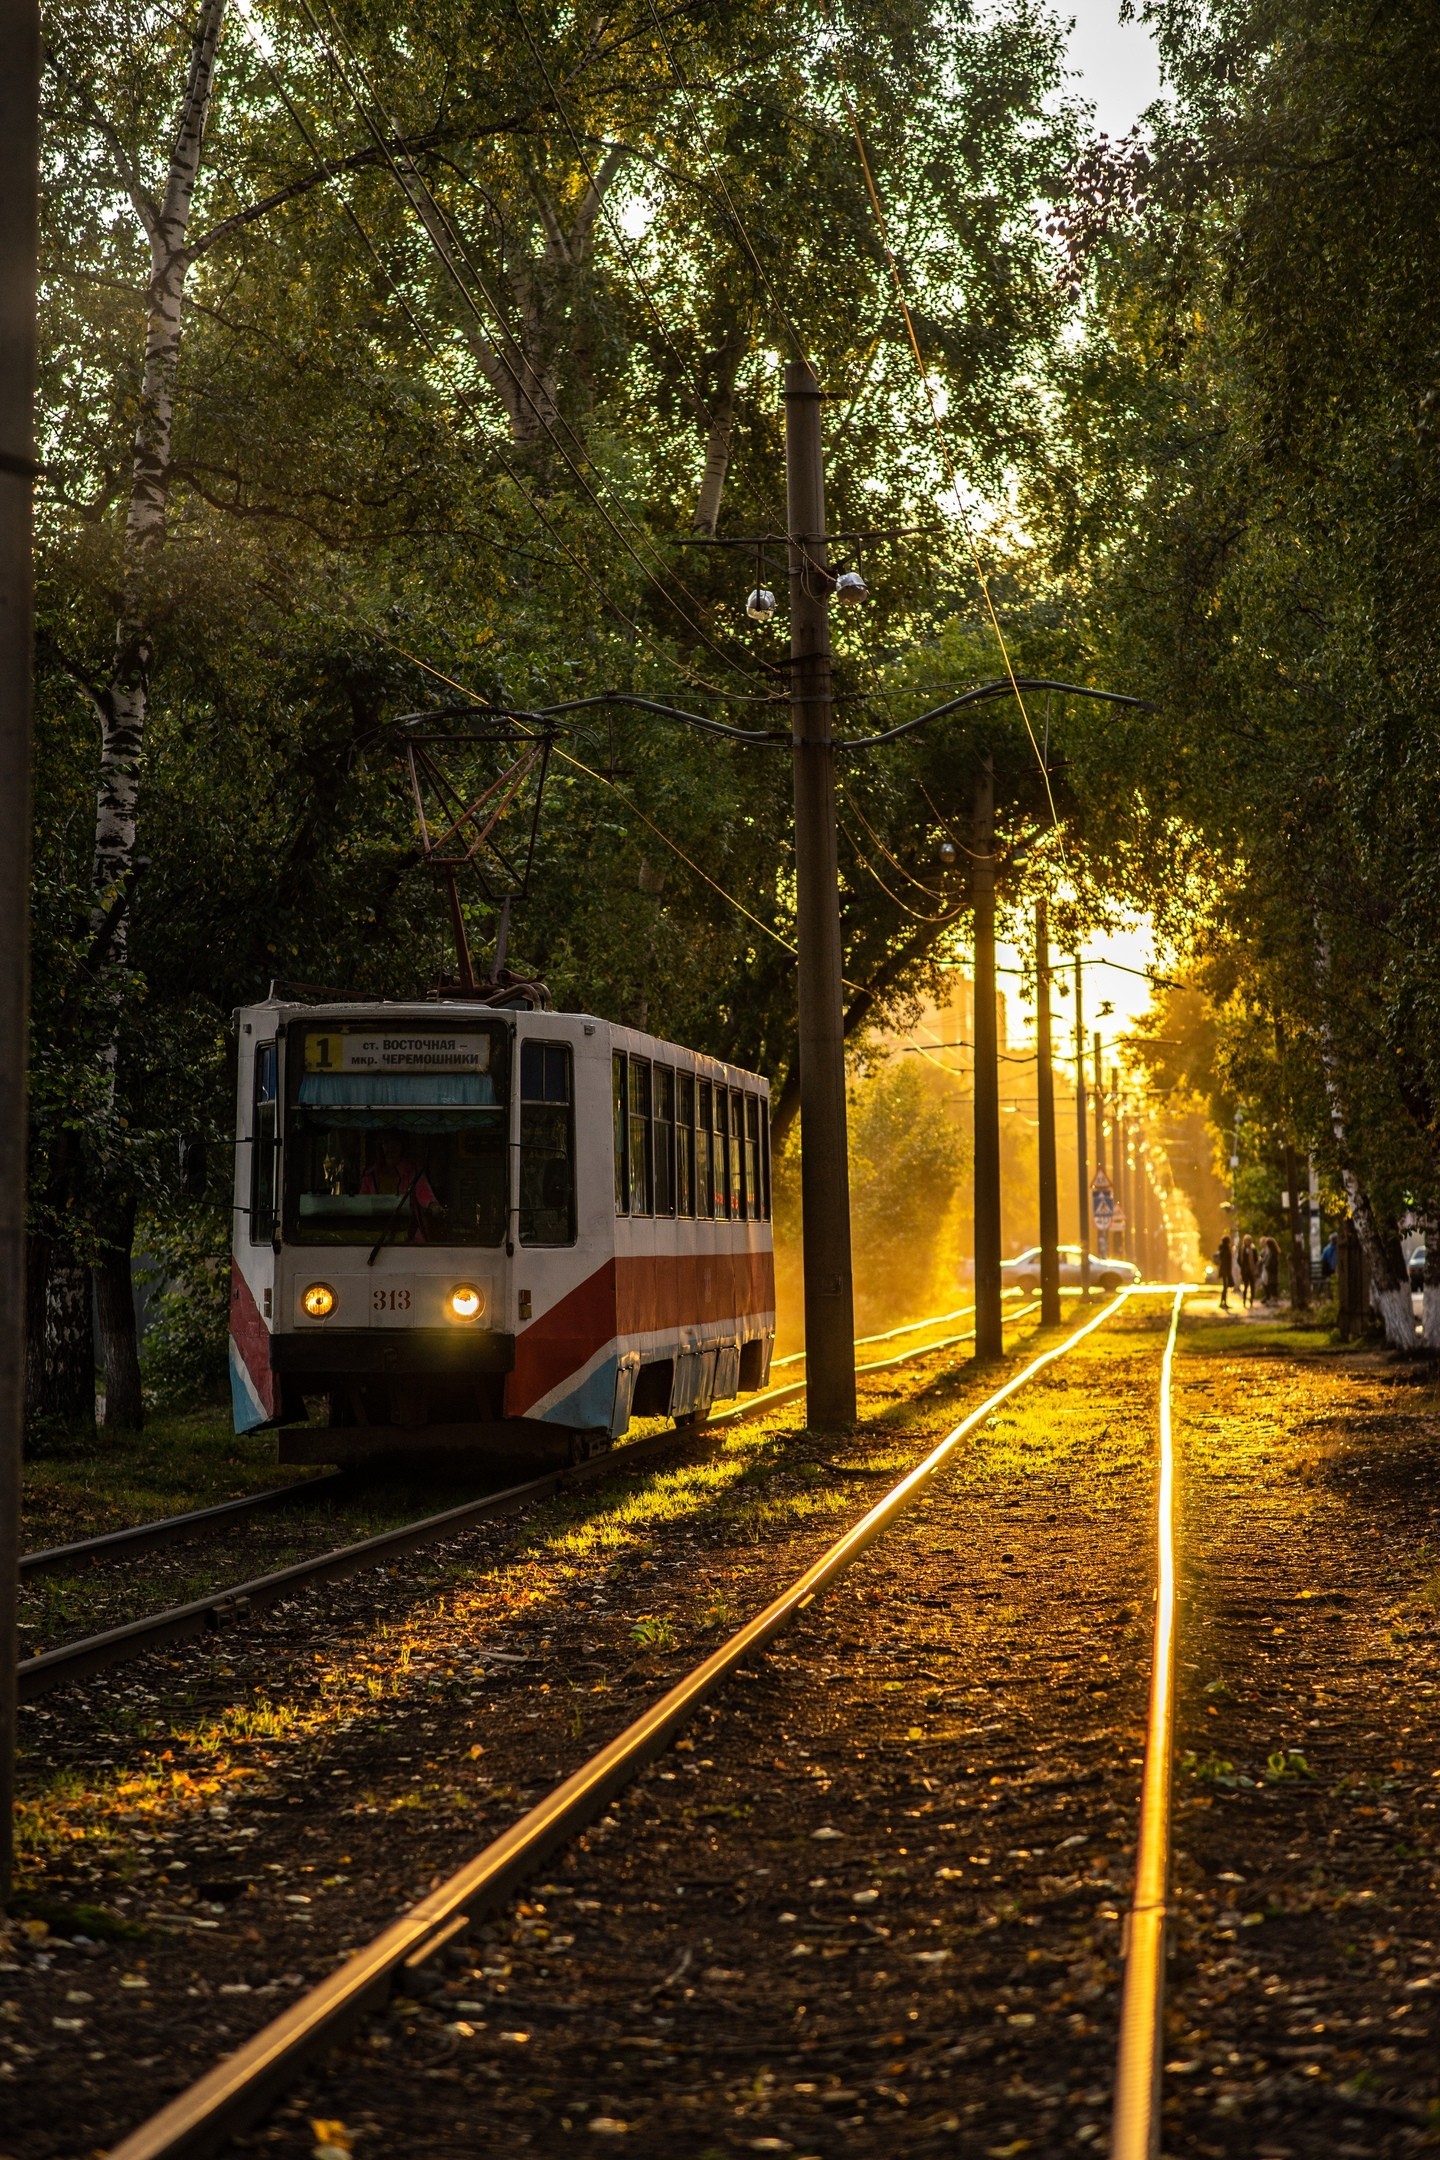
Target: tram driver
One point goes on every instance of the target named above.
(395, 1170)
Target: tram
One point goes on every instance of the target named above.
(465, 1225)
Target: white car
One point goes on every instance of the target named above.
(1110, 1274)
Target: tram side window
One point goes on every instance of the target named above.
(622, 1137)
(765, 1151)
(753, 1207)
(547, 1145)
(262, 1151)
(685, 1143)
(720, 1153)
(704, 1175)
(664, 1140)
(737, 1155)
(642, 1172)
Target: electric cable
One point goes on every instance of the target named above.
(621, 240)
(939, 430)
(634, 807)
(737, 222)
(513, 359)
(850, 803)
(868, 867)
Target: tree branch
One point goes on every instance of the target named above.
(142, 201)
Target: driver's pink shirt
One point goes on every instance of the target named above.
(410, 1179)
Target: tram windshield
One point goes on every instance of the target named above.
(398, 1137)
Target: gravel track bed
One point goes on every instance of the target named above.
(1307, 1972)
(107, 1591)
(211, 1827)
(871, 1904)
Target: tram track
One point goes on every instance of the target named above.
(174, 1529)
(241, 2088)
(223, 1607)
(994, 1661)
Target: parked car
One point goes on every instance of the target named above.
(1417, 1269)
(1108, 1274)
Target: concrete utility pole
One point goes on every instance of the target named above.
(1142, 1213)
(824, 1163)
(989, 1325)
(1102, 1237)
(19, 155)
(1117, 1157)
(1082, 1137)
(1045, 1096)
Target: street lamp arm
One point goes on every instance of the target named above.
(1003, 688)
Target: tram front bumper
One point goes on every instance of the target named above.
(345, 1351)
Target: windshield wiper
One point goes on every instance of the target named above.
(390, 1224)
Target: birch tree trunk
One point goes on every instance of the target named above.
(61, 1349)
(518, 360)
(1389, 1276)
(123, 705)
(719, 422)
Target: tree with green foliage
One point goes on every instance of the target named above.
(378, 367)
(1241, 508)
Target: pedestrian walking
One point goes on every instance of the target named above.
(1225, 1269)
(1269, 1270)
(1249, 1269)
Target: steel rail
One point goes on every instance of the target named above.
(238, 2090)
(69, 1662)
(911, 1327)
(1135, 2125)
(96, 1653)
(794, 1389)
(170, 1529)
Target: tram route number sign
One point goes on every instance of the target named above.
(336, 1050)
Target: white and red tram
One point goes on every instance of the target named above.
(468, 1226)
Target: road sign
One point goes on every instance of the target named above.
(1101, 1182)
(1102, 1207)
(1117, 1220)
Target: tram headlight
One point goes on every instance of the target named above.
(319, 1300)
(466, 1302)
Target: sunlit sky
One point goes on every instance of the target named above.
(1114, 63)
(1105, 983)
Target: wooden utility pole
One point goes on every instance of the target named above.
(1045, 1097)
(824, 1164)
(1082, 1137)
(19, 155)
(989, 1325)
